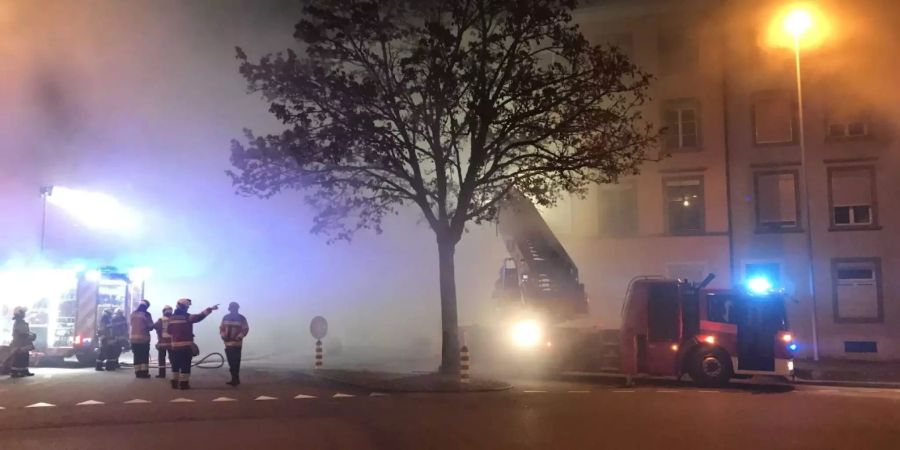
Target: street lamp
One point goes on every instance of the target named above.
(798, 22)
(46, 191)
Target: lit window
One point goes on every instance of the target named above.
(684, 205)
(776, 201)
(682, 123)
(852, 196)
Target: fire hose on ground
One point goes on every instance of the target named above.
(201, 363)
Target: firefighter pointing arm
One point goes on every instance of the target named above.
(181, 329)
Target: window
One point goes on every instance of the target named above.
(845, 120)
(678, 51)
(618, 210)
(622, 41)
(857, 289)
(682, 121)
(776, 201)
(694, 272)
(852, 194)
(860, 347)
(773, 118)
(684, 205)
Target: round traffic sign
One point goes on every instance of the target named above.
(318, 327)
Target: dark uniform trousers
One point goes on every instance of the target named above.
(233, 354)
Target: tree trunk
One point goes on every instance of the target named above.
(449, 319)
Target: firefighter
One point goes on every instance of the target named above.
(105, 337)
(22, 344)
(181, 327)
(141, 324)
(234, 329)
(163, 340)
(119, 331)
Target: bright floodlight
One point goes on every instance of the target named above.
(94, 209)
(93, 275)
(798, 21)
(759, 285)
(527, 333)
(139, 274)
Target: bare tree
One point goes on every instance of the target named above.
(448, 105)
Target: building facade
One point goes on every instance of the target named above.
(726, 193)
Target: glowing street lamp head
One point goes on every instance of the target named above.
(803, 25)
(798, 22)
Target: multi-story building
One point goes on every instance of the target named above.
(727, 194)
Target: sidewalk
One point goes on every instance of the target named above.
(852, 373)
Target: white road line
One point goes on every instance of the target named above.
(41, 405)
(224, 399)
(623, 391)
(181, 400)
(579, 392)
(264, 398)
(340, 395)
(2, 408)
(302, 396)
(535, 392)
(89, 402)
(137, 401)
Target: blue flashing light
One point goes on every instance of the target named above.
(759, 285)
(792, 347)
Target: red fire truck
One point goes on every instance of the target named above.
(669, 327)
(65, 306)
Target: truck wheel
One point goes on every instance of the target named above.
(710, 367)
(87, 359)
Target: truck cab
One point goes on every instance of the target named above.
(674, 327)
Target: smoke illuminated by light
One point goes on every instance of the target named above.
(95, 210)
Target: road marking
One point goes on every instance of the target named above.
(340, 395)
(377, 394)
(41, 405)
(579, 392)
(302, 396)
(181, 400)
(535, 392)
(137, 401)
(265, 397)
(2, 408)
(623, 391)
(224, 399)
(667, 391)
(89, 402)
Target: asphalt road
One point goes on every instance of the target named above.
(572, 414)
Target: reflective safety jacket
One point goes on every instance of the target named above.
(163, 338)
(141, 324)
(118, 328)
(234, 329)
(181, 327)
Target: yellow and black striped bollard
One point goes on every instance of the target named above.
(319, 354)
(464, 364)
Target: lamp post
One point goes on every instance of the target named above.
(797, 22)
(46, 191)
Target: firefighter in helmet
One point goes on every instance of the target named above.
(163, 340)
(22, 344)
(234, 329)
(107, 341)
(181, 327)
(141, 324)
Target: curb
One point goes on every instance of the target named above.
(374, 386)
(848, 383)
